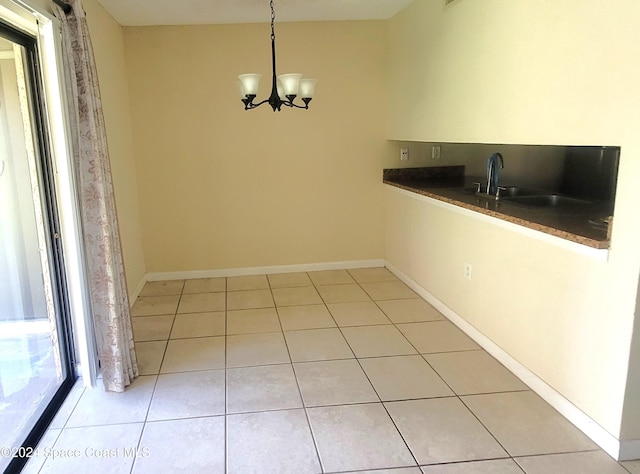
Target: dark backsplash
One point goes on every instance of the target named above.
(587, 172)
(590, 172)
(431, 172)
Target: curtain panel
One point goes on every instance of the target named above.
(103, 255)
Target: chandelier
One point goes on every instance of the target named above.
(284, 88)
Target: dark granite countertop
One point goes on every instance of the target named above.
(448, 184)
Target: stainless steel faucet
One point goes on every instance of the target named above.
(494, 163)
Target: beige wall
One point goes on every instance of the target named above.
(107, 40)
(223, 188)
(541, 72)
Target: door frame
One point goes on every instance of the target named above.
(60, 197)
(28, 17)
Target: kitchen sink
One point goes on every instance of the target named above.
(545, 200)
(518, 191)
(526, 197)
(505, 192)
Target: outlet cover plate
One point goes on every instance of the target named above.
(468, 269)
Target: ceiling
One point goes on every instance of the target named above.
(194, 12)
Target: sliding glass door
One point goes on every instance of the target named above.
(35, 346)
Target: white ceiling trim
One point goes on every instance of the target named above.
(199, 12)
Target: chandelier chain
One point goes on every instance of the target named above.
(273, 20)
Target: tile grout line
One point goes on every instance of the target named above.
(413, 456)
(355, 357)
(295, 376)
(455, 394)
(155, 384)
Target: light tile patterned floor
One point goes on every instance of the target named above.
(319, 372)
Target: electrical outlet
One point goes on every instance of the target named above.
(435, 152)
(468, 268)
(404, 154)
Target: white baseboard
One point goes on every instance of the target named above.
(629, 450)
(137, 290)
(303, 267)
(619, 450)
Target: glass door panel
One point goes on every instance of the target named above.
(34, 361)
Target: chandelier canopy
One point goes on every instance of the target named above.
(284, 88)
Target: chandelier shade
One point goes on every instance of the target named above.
(249, 83)
(290, 83)
(307, 87)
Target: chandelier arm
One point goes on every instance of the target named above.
(251, 105)
(291, 104)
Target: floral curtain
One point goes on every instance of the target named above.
(110, 305)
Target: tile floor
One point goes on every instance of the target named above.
(320, 372)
